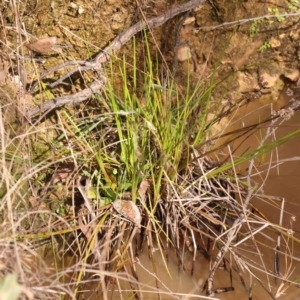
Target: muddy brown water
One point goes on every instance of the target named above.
(282, 182)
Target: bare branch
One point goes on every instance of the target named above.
(243, 21)
(104, 56)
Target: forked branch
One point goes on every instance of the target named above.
(104, 56)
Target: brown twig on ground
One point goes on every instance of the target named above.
(104, 56)
(72, 99)
(243, 21)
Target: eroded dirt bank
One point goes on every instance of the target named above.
(259, 54)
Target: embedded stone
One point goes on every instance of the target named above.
(274, 42)
(189, 20)
(183, 53)
(292, 74)
(268, 80)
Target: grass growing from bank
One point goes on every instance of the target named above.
(133, 167)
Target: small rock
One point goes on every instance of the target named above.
(247, 82)
(183, 53)
(189, 20)
(292, 74)
(294, 34)
(80, 10)
(274, 42)
(73, 5)
(268, 80)
(282, 36)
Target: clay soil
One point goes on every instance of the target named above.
(87, 27)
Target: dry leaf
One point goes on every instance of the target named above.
(42, 46)
(128, 210)
(144, 186)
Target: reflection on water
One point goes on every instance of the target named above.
(282, 181)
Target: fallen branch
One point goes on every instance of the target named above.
(71, 99)
(104, 56)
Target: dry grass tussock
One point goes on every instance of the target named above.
(85, 190)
